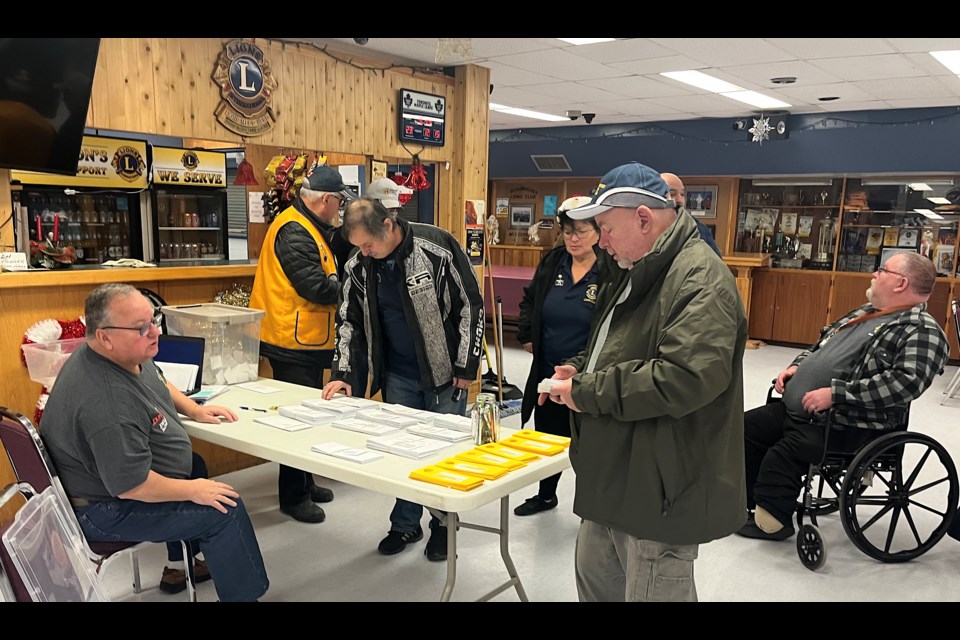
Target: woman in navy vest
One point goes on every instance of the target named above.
(554, 324)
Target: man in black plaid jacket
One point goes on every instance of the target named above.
(870, 364)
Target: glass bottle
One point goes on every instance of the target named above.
(485, 419)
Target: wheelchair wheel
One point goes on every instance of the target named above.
(810, 547)
(899, 496)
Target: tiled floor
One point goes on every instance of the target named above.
(337, 560)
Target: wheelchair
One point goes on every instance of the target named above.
(896, 492)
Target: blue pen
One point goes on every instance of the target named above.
(254, 409)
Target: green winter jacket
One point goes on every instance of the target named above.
(658, 447)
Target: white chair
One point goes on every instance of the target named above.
(955, 382)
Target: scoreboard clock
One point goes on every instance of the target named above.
(422, 117)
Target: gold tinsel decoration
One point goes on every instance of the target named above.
(237, 296)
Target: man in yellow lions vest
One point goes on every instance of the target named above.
(297, 285)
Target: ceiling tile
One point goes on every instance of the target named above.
(813, 48)
(570, 91)
(846, 91)
(620, 50)
(560, 64)
(870, 67)
(905, 88)
(514, 97)
(702, 102)
(721, 52)
(760, 74)
(922, 45)
(913, 103)
(639, 87)
(657, 65)
(503, 75)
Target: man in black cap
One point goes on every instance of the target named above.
(296, 284)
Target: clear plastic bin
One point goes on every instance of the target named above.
(45, 359)
(231, 351)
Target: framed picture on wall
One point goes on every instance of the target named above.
(702, 201)
(521, 215)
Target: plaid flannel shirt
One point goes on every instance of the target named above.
(897, 364)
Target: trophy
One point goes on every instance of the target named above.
(823, 197)
(825, 242)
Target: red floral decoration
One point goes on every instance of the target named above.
(402, 180)
(48, 331)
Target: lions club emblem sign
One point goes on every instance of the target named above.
(246, 88)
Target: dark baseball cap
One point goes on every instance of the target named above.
(629, 185)
(328, 180)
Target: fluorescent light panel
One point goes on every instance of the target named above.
(701, 81)
(929, 213)
(896, 182)
(813, 182)
(757, 100)
(920, 186)
(526, 113)
(579, 41)
(938, 200)
(727, 90)
(949, 59)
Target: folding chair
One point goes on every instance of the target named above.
(11, 584)
(32, 465)
(955, 382)
(47, 555)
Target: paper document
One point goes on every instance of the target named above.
(344, 452)
(182, 376)
(283, 422)
(257, 387)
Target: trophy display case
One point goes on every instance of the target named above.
(796, 220)
(884, 216)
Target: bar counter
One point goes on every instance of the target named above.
(26, 297)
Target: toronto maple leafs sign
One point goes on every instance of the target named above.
(422, 117)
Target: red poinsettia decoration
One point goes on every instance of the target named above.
(401, 180)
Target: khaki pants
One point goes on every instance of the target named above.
(613, 566)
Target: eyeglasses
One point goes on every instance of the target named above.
(885, 270)
(145, 329)
(580, 233)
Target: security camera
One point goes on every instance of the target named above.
(588, 117)
(573, 115)
(361, 41)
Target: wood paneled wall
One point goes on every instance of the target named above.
(164, 86)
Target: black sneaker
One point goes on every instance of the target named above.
(536, 504)
(397, 541)
(320, 494)
(751, 530)
(304, 512)
(436, 550)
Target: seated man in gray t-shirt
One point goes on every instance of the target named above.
(869, 365)
(113, 430)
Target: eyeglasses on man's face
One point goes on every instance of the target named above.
(144, 329)
(890, 271)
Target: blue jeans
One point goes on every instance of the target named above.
(406, 515)
(227, 540)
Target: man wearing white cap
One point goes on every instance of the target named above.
(387, 192)
(656, 399)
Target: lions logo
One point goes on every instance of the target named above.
(246, 85)
(591, 294)
(128, 163)
(190, 161)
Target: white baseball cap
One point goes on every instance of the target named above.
(387, 192)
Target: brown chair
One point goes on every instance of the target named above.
(32, 465)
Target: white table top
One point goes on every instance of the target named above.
(389, 475)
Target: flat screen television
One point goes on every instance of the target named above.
(45, 86)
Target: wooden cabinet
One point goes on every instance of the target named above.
(788, 306)
(508, 255)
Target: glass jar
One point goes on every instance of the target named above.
(485, 419)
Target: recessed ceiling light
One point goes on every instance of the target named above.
(930, 214)
(938, 200)
(757, 100)
(526, 113)
(586, 40)
(701, 81)
(828, 98)
(783, 80)
(949, 59)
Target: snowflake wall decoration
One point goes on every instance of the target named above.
(760, 130)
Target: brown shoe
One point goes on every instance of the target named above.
(175, 580)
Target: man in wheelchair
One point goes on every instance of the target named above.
(869, 365)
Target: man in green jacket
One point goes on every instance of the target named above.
(656, 399)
